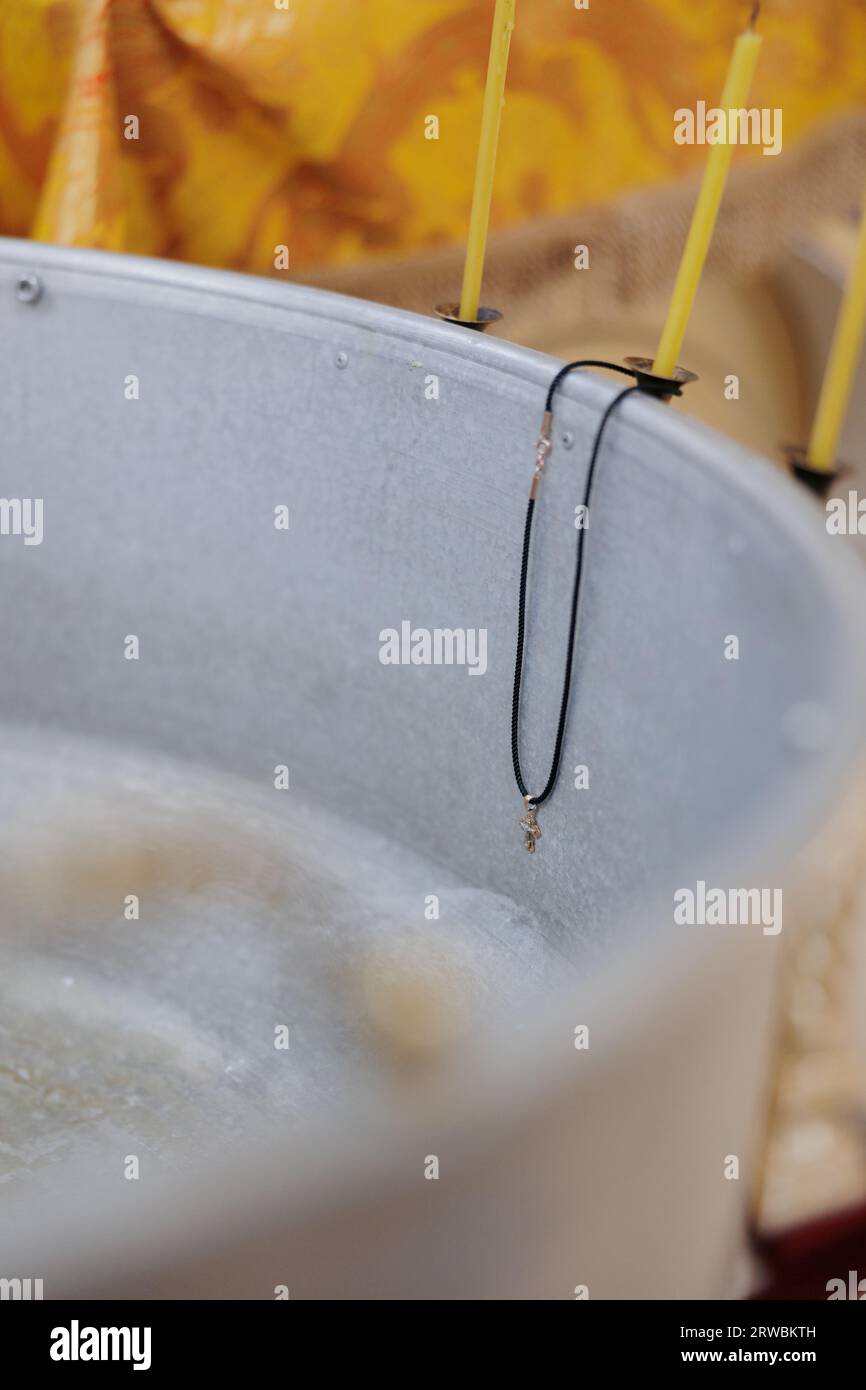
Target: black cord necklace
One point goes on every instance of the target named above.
(544, 445)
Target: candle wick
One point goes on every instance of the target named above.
(756, 10)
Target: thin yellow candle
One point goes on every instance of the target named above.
(739, 79)
(844, 354)
(494, 96)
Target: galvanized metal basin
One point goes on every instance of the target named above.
(402, 448)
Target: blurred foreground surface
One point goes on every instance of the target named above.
(274, 953)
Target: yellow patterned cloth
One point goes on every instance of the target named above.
(302, 123)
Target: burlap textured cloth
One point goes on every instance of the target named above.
(634, 243)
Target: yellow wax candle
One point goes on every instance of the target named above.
(844, 353)
(739, 79)
(494, 95)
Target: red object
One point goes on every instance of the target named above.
(800, 1262)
